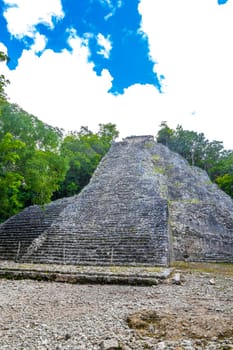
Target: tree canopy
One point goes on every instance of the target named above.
(31, 167)
(3, 81)
(83, 150)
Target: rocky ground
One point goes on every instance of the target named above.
(196, 314)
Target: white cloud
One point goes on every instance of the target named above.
(63, 90)
(39, 43)
(22, 16)
(112, 7)
(106, 2)
(110, 4)
(60, 88)
(105, 44)
(191, 41)
(3, 48)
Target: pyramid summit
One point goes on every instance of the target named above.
(145, 205)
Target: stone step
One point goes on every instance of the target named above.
(23, 228)
(91, 261)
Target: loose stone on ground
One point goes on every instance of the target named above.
(195, 315)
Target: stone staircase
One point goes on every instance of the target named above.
(100, 249)
(108, 244)
(18, 232)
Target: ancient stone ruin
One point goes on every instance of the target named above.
(145, 205)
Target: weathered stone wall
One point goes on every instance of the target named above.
(200, 214)
(144, 205)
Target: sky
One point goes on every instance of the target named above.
(135, 63)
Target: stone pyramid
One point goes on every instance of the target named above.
(144, 205)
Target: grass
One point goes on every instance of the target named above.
(192, 267)
(216, 268)
(119, 269)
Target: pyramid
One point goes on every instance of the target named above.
(144, 205)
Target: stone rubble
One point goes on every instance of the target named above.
(60, 316)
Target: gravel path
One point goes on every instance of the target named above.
(198, 314)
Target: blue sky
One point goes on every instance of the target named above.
(131, 62)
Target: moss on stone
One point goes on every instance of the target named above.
(159, 170)
(149, 144)
(155, 158)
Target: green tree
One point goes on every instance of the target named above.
(189, 144)
(165, 134)
(43, 172)
(84, 150)
(223, 172)
(212, 156)
(225, 182)
(10, 180)
(29, 128)
(38, 168)
(3, 81)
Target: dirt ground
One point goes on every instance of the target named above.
(208, 315)
(194, 315)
